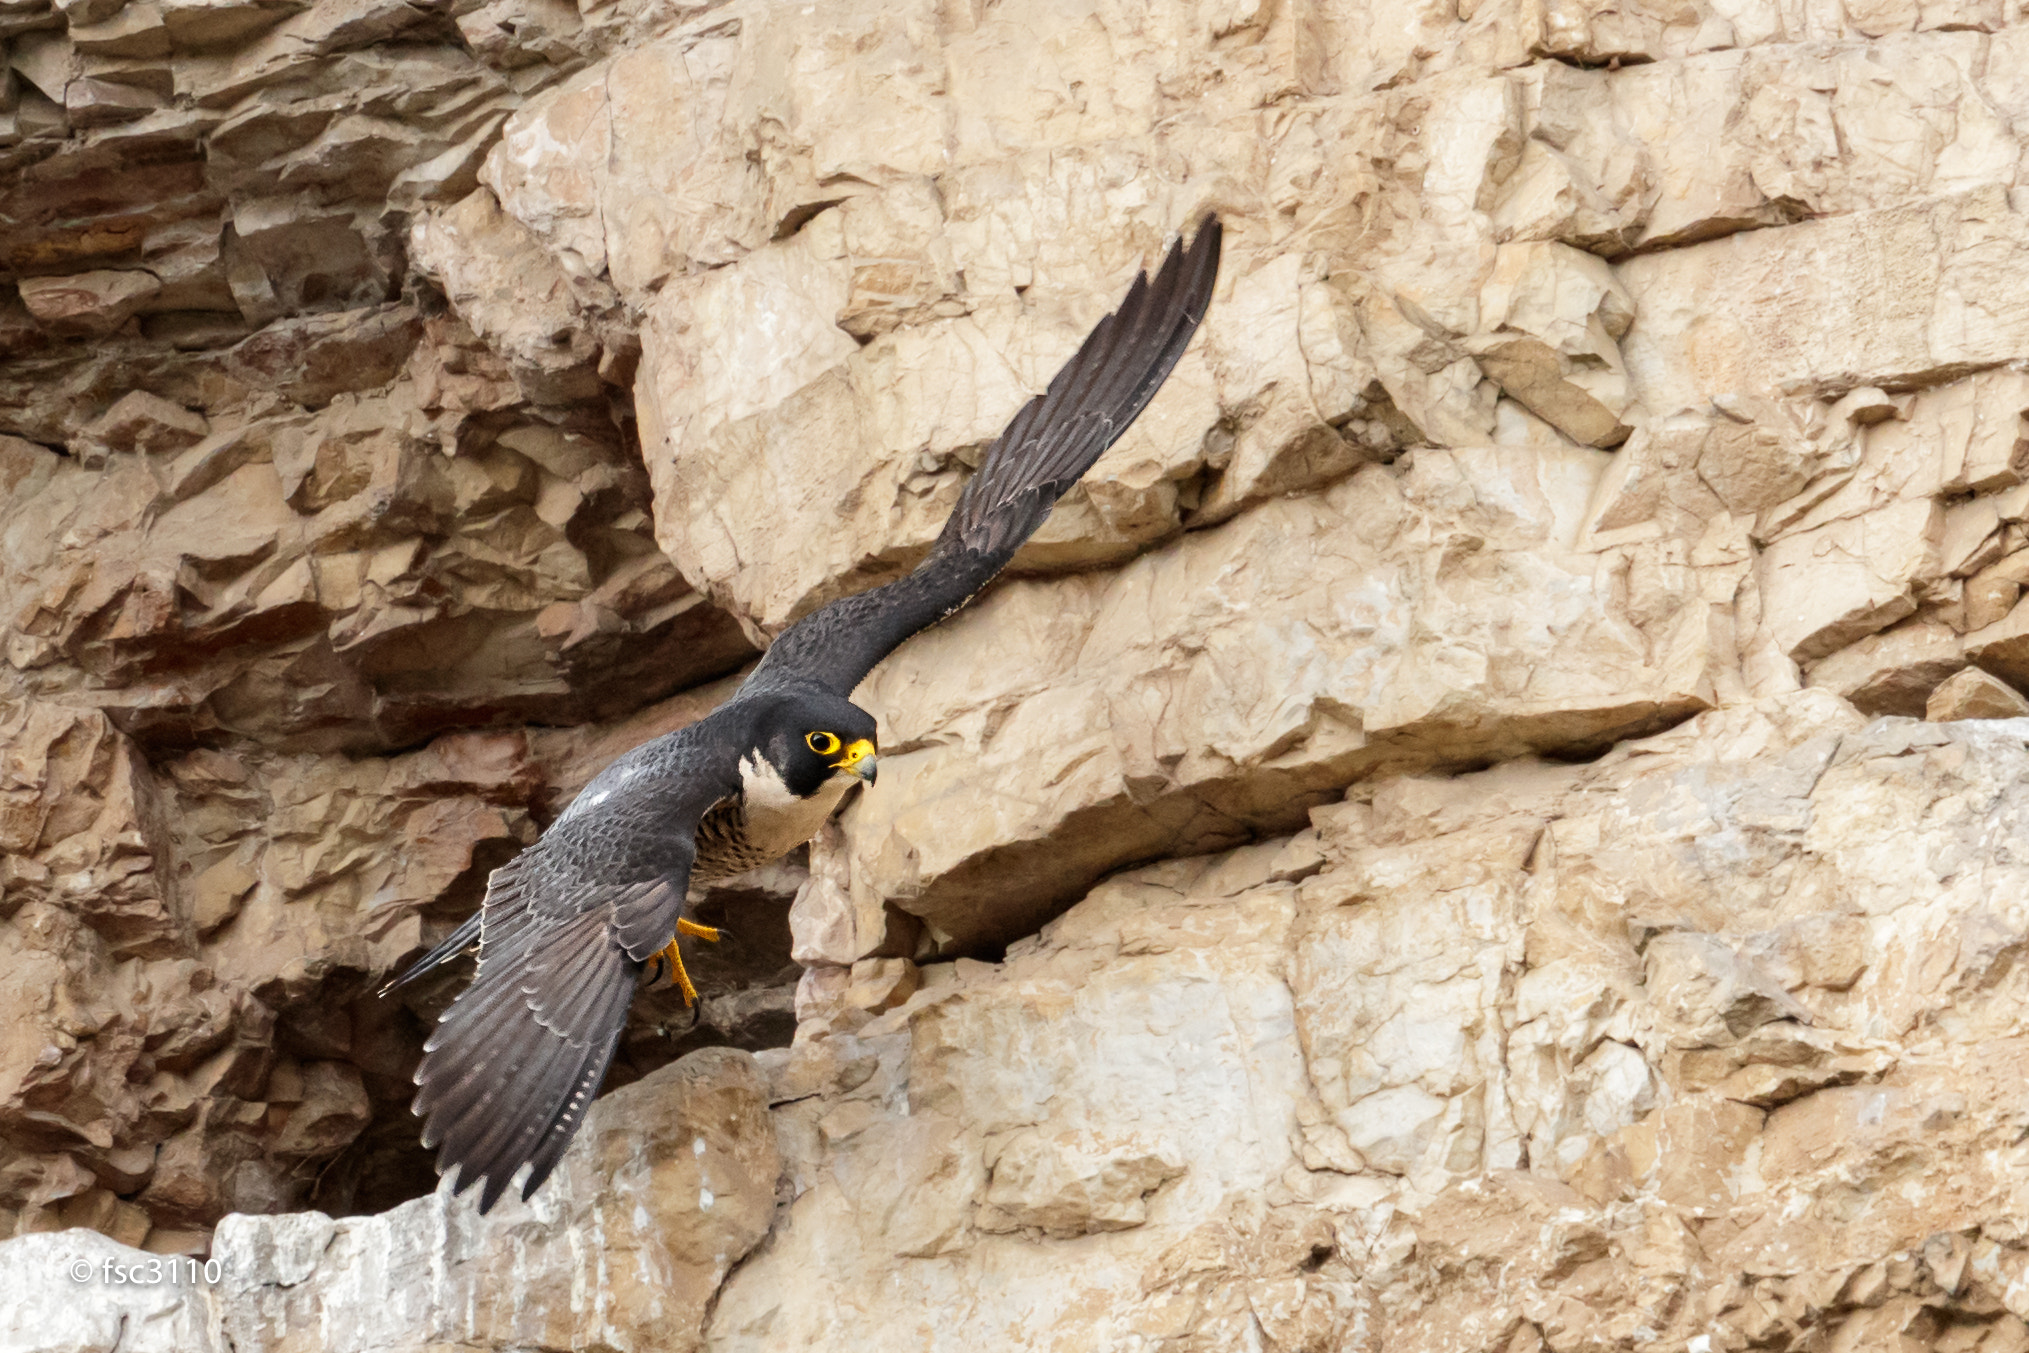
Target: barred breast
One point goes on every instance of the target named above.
(762, 822)
(723, 845)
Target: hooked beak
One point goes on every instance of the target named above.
(859, 759)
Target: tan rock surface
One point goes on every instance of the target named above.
(1974, 694)
(355, 577)
(1224, 685)
(1621, 1053)
(677, 1172)
(192, 1028)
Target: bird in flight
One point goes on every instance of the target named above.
(569, 925)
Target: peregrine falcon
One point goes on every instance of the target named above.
(568, 927)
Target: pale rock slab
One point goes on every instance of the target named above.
(1895, 671)
(880, 984)
(1944, 443)
(2003, 647)
(1318, 408)
(1673, 151)
(1258, 666)
(1899, 296)
(1593, 34)
(1551, 319)
(854, 239)
(1653, 487)
(1991, 593)
(827, 925)
(1579, 178)
(1885, 525)
(1974, 694)
(1826, 587)
(1072, 1184)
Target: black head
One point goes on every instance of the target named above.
(813, 737)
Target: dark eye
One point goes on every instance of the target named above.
(824, 744)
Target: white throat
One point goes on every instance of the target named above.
(776, 820)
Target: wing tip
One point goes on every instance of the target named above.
(1198, 262)
(1210, 236)
(1123, 360)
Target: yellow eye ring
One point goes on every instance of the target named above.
(824, 744)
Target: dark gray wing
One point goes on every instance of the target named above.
(1051, 442)
(563, 935)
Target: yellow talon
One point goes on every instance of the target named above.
(672, 957)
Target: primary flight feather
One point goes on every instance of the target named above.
(568, 926)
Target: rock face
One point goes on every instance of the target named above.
(677, 1172)
(1490, 820)
(1615, 1055)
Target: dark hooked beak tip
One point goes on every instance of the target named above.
(867, 768)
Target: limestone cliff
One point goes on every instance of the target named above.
(1480, 825)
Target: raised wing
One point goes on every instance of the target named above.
(1053, 440)
(563, 935)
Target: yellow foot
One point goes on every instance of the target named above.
(671, 957)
